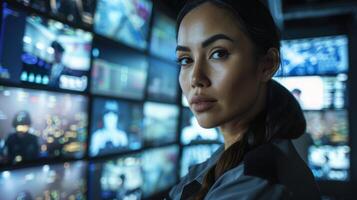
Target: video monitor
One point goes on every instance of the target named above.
(119, 178)
(328, 151)
(41, 125)
(79, 12)
(160, 123)
(43, 52)
(314, 56)
(117, 126)
(163, 82)
(330, 162)
(159, 169)
(317, 93)
(124, 21)
(163, 37)
(195, 154)
(192, 132)
(118, 72)
(58, 181)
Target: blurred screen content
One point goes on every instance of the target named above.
(163, 37)
(116, 126)
(39, 124)
(60, 181)
(317, 93)
(163, 81)
(117, 179)
(314, 56)
(160, 123)
(192, 132)
(329, 154)
(125, 21)
(159, 169)
(76, 11)
(118, 80)
(195, 154)
(53, 54)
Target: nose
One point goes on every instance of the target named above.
(199, 76)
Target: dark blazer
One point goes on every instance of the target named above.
(271, 171)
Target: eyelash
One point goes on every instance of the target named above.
(179, 60)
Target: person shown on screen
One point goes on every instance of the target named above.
(228, 52)
(57, 66)
(22, 145)
(109, 136)
(297, 94)
(195, 132)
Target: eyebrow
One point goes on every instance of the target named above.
(207, 42)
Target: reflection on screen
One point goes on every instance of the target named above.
(116, 126)
(316, 93)
(60, 181)
(39, 124)
(79, 11)
(118, 80)
(159, 169)
(160, 123)
(314, 56)
(195, 154)
(126, 21)
(192, 132)
(117, 179)
(163, 37)
(53, 54)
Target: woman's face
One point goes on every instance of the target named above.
(218, 65)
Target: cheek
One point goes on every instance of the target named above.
(239, 88)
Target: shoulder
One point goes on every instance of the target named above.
(235, 184)
(278, 162)
(194, 177)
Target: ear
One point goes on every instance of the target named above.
(269, 64)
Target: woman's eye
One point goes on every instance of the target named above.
(183, 61)
(219, 54)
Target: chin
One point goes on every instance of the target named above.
(207, 121)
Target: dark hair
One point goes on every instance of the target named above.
(255, 19)
(282, 117)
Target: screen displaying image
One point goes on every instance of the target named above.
(163, 37)
(37, 51)
(329, 157)
(125, 21)
(192, 132)
(118, 71)
(195, 154)
(314, 56)
(330, 162)
(160, 123)
(117, 179)
(60, 181)
(116, 126)
(77, 11)
(39, 124)
(159, 169)
(316, 93)
(163, 81)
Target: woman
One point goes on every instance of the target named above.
(228, 52)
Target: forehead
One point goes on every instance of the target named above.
(207, 20)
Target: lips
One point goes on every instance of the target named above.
(202, 103)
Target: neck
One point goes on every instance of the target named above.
(234, 129)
